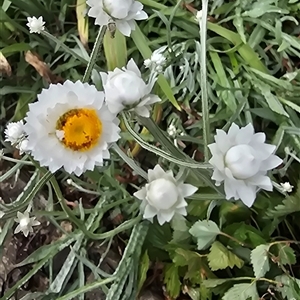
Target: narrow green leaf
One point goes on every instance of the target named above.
(141, 43)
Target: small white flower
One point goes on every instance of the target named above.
(125, 89)
(287, 187)
(172, 130)
(121, 12)
(163, 196)
(25, 223)
(23, 146)
(241, 159)
(157, 60)
(70, 126)
(35, 25)
(14, 132)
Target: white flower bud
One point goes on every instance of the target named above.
(163, 196)
(286, 187)
(241, 159)
(120, 94)
(14, 132)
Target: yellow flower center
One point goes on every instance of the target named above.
(81, 129)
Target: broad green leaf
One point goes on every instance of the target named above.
(242, 291)
(260, 260)
(220, 258)
(286, 254)
(205, 232)
(171, 280)
(115, 50)
(82, 21)
(290, 204)
(193, 261)
(181, 232)
(245, 233)
(289, 287)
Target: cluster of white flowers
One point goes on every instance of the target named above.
(73, 125)
(157, 60)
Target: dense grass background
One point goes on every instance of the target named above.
(253, 76)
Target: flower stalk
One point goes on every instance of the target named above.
(203, 70)
(94, 54)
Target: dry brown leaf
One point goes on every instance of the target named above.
(42, 68)
(4, 65)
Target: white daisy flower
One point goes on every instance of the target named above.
(163, 196)
(120, 94)
(35, 25)
(121, 12)
(71, 127)
(25, 223)
(286, 187)
(241, 159)
(14, 132)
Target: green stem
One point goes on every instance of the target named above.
(203, 69)
(94, 54)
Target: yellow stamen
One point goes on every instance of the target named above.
(82, 129)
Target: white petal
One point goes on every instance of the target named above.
(156, 173)
(181, 211)
(142, 111)
(233, 131)
(218, 176)
(141, 15)
(264, 182)
(222, 141)
(272, 162)
(229, 188)
(258, 138)
(149, 212)
(123, 27)
(217, 161)
(245, 134)
(141, 194)
(131, 66)
(187, 189)
(262, 151)
(167, 214)
(246, 193)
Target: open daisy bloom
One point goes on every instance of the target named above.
(241, 159)
(121, 12)
(163, 196)
(70, 127)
